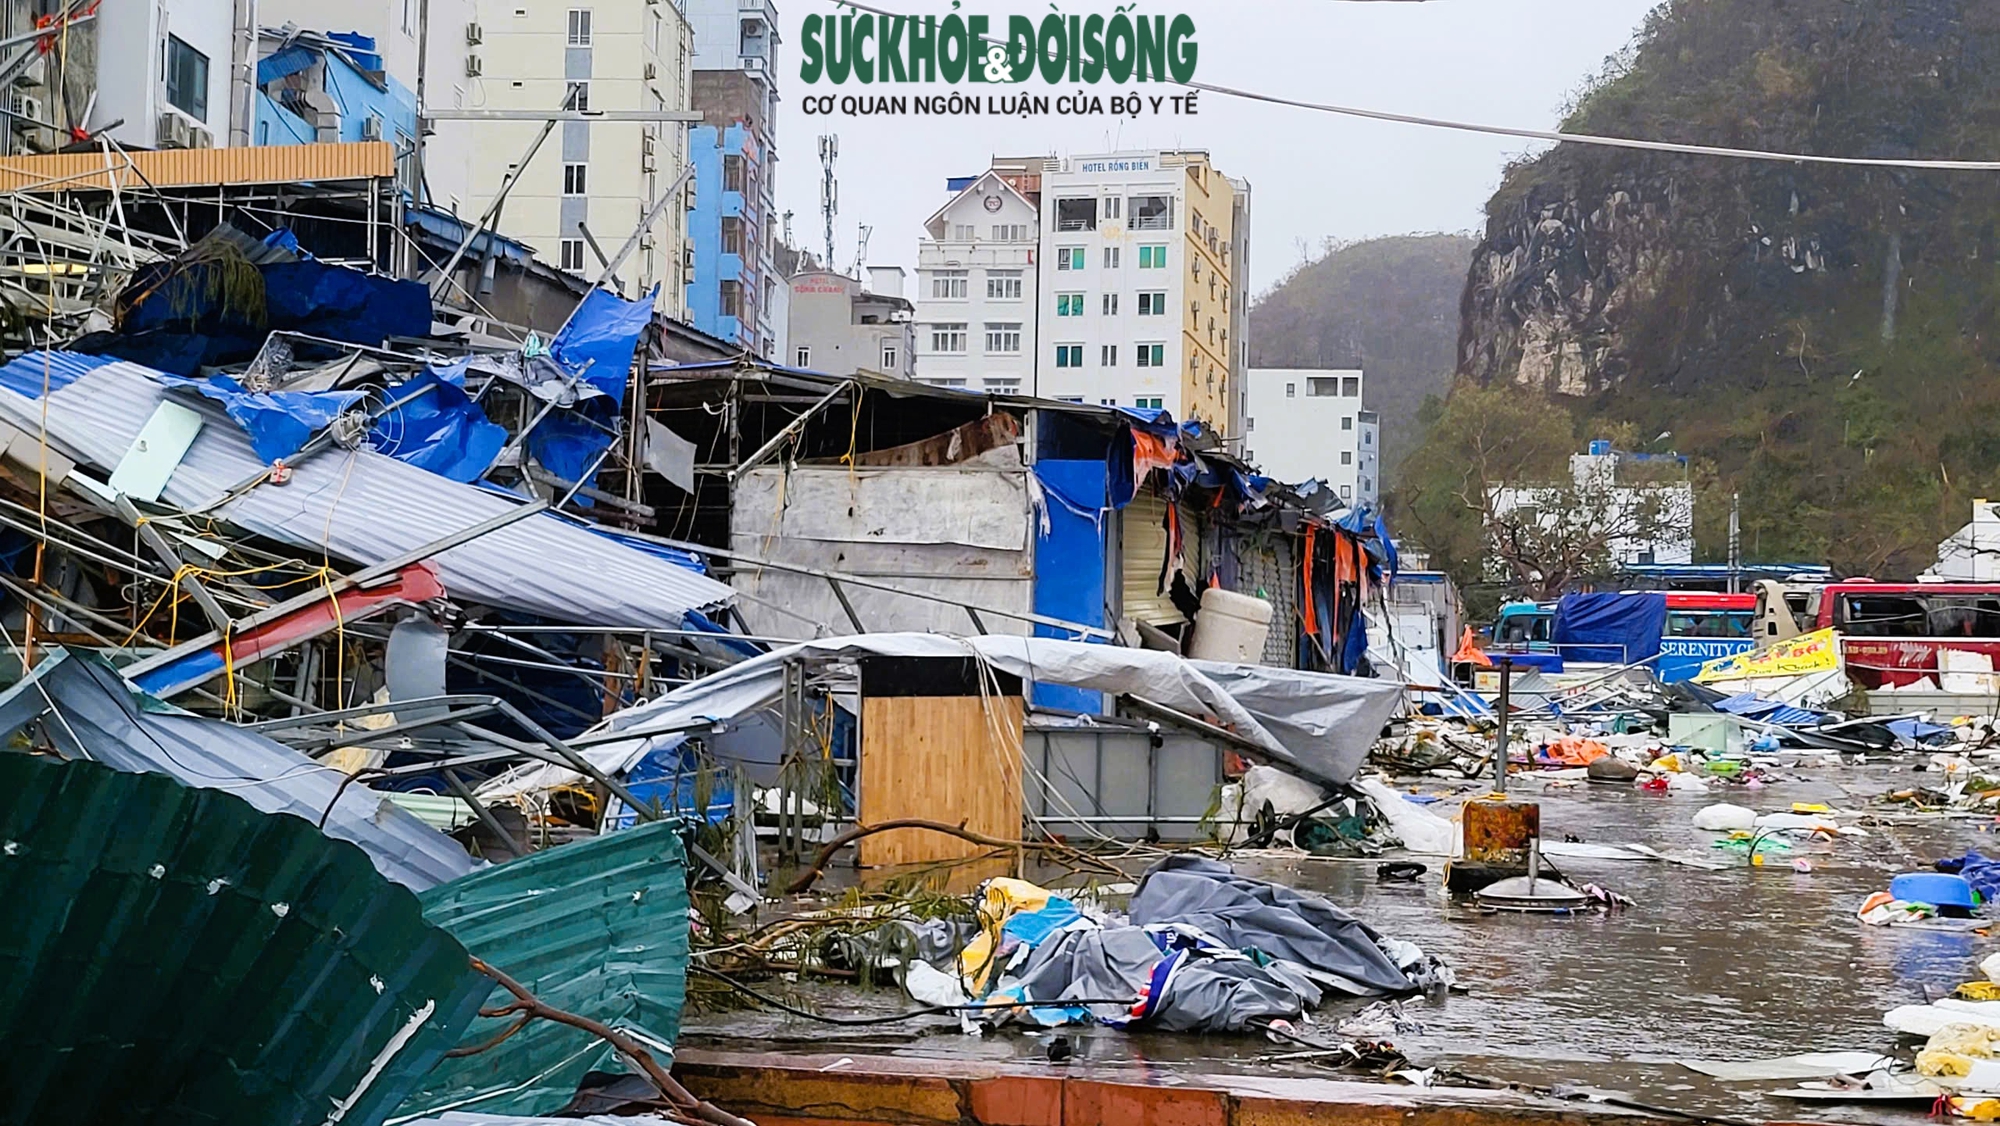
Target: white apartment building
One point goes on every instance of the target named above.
(538, 55)
(976, 289)
(1633, 501)
(1306, 424)
(1141, 303)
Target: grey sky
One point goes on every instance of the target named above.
(1501, 62)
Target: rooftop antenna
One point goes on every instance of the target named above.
(829, 188)
(861, 248)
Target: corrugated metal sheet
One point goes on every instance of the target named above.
(364, 507)
(30, 373)
(182, 168)
(105, 719)
(1143, 544)
(173, 955)
(598, 928)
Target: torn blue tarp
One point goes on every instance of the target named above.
(344, 304)
(569, 444)
(443, 431)
(1914, 731)
(277, 422)
(1619, 628)
(671, 778)
(1749, 705)
(600, 338)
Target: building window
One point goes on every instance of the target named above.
(732, 299)
(945, 382)
(574, 179)
(1150, 402)
(1367, 437)
(1291, 390)
(1006, 384)
(1107, 356)
(1110, 304)
(1249, 424)
(1350, 386)
(1069, 355)
(1003, 285)
(571, 250)
(1010, 232)
(653, 32)
(1110, 257)
(1003, 339)
(1347, 457)
(1153, 304)
(576, 96)
(1347, 422)
(732, 173)
(1317, 387)
(1151, 213)
(1069, 304)
(1069, 398)
(948, 339)
(961, 232)
(1152, 257)
(1152, 355)
(187, 79)
(1069, 258)
(1111, 207)
(892, 356)
(579, 27)
(1347, 492)
(410, 17)
(1076, 215)
(1107, 402)
(948, 285)
(733, 240)
(802, 358)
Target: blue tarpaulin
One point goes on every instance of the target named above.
(344, 304)
(1618, 628)
(278, 422)
(602, 333)
(1069, 571)
(568, 444)
(443, 431)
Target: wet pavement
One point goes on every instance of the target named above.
(1739, 964)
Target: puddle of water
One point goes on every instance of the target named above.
(1738, 964)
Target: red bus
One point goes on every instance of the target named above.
(1891, 633)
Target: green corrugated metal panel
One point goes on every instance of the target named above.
(598, 928)
(172, 955)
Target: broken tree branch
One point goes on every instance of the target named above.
(806, 878)
(531, 1007)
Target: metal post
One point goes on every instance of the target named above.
(1735, 543)
(1500, 740)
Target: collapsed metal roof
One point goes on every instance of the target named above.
(88, 711)
(361, 506)
(174, 955)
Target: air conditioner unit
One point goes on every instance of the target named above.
(652, 71)
(473, 67)
(646, 241)
(199, 138)
(647, 141)
(27, 105)
(648, 162)
(474, 35)
(173, 131)
(690, 194)
(371, 128)
(687, 258)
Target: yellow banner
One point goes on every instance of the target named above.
(1811, 652)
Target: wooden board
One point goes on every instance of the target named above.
(955, 759)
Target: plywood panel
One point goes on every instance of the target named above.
(955, 759)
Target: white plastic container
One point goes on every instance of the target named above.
(1231, 628)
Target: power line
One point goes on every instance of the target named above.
(1538, 134)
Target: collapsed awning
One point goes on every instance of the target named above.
(1317, 725)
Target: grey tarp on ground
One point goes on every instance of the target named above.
(93, 713)
(367, 507)
(1203, 994)
(1273, 919)
(1315, 724)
